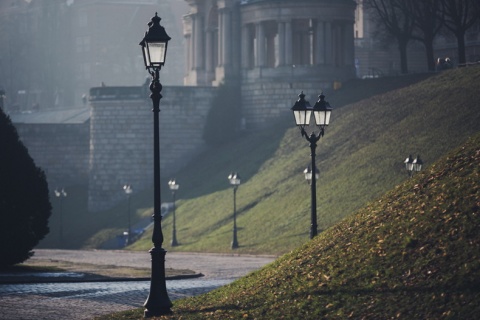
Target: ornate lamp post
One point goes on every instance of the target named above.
(234, 180)
(413, 165)
(174, 187)
(302, 112)
(128, 191)
(61, 194)
(154, 49)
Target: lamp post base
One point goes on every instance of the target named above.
(158, 303)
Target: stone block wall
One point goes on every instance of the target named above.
(61, 150)
(121, 137)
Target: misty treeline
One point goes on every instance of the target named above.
(422, 20)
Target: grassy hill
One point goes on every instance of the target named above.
(413, 253)
(375, 125)
(359, 158)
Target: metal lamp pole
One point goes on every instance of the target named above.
(174, 187)
(234, 180)
(302, 111)
(128, 191)
(154, 49)
(61, 194)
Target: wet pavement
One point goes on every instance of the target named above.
(85, 300)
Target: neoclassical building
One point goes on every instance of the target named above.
(272, 48)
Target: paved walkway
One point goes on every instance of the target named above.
(87, 300)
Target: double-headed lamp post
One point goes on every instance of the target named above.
(174, 187)
(302, 112)
(128, 191)
(154, 50)
(413, 165)
(234, 180)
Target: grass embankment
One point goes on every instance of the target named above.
(359, 158)
(412, 254)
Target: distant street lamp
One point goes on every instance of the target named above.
(128, 191)
(413, 165)
(234, 180)
(174, 187)
(2, 96)
(61, 194)
(302, 112)
(154, 50)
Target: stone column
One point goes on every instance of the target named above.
(281, 43)
(221, 30)
(209, 51)
(320, 43)
(260, 33)
(227, 37)
(288, 43)
(198, 33)
(245, 46)
(328, 43)
(349, 44)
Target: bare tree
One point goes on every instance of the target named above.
(394, 18)
(459, 16)
(427, 15)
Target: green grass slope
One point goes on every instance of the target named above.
(359, 158)
(413, 253)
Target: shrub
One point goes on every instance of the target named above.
(24, 199)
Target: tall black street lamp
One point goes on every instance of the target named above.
(154, 50)
(128, 191)
(174, 187)
(302, 111)
(234, 180)
(413, 165)
(61, 194)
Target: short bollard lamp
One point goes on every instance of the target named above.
(128, 189)
(172, 184)
(61, 194)
(154, 50)
(234, 180)
(302, 112)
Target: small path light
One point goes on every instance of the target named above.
(128, 191)
(234, 180)
(173, 187)
(302, 112)
(61, 194)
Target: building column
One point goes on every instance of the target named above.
(260, 35)
(349, 44)
(245, 46)
(281, 43)
(209, 51)
(288, 43)
(320, 43)
(328, 44)
(221, 31)
(198, 34)
(227, 37)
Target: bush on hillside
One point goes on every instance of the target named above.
(24, 199)
(224, 116)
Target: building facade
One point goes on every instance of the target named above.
(271, 49)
